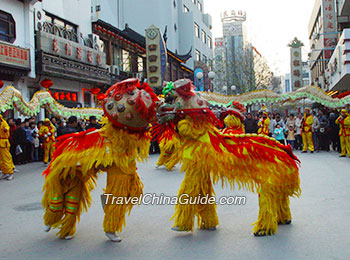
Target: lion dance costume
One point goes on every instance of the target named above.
(255, 162)
(233, 118)
(6, 163)
(115, 148)
(47, 132)
(169, 145)
(344, 132)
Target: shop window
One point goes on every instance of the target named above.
(87, 99)
(199, 5)
(126, 61)
(186, 10)
(139, 64)
(204, 37)
(198, 55)
(196, 30)
(7, 27)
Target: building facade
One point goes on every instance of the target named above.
(235, 53)
(186, 25)
(323, 39)
(17, 52)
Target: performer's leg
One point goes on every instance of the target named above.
(267, 221)
(283, 211)
(6, 161)
(124, 186)
(207, 216)
(46, 152)
(72, 201)
(347, 144)
(303, 135)
(52, 201)
(52, 149)
(195, 184)
(310, 142)
(342, 145)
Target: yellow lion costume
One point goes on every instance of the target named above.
(115, 148)
(255, 162)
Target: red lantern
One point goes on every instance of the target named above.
(100, 96)
(104, 30)
(46, 83)
(95, 91)
(1, 83)
(98, 27)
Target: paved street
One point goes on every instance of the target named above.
(320, 228)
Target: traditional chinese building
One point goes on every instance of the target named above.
(126, 55)
(16, 41)
(67, 53)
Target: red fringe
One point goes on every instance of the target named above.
(198, 115)
(186, 91)
(161, 132)
(255, 146)
(76, 141)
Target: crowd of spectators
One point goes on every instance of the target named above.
(287, 129)
(27, 144)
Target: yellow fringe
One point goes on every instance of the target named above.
(169, 154)
(277, 179)
(197, 183)
(120, 185)
(75, 172)
(234, 122)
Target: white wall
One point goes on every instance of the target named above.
(140, 14)
(187, 30)
(77, 12)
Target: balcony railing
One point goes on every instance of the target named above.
(67, 34)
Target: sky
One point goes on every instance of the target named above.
(270, 25)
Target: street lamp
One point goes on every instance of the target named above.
(233, 88)
(224, 88)
(211, 76)
(199, 75)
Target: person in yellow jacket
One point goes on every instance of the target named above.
(344, 132)
(264, 124)
(306, 131)
(6, 163)
(47, 132)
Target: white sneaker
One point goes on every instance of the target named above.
(113, 237)
(10, 177)
(47, 228)
(68, 237)
(4, 176)
(15, 170)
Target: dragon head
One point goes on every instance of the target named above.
(130, 105)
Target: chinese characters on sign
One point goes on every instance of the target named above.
(70, 50)
(13, 55)
(64, 95)
(296, 68)
(330, 27)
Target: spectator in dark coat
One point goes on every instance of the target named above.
(60, 127)
(21, 141)
(13, 129)
(250, 124)
(93, 123)
(71, 126)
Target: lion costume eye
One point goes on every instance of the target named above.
(110, 105)
(121, 108)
